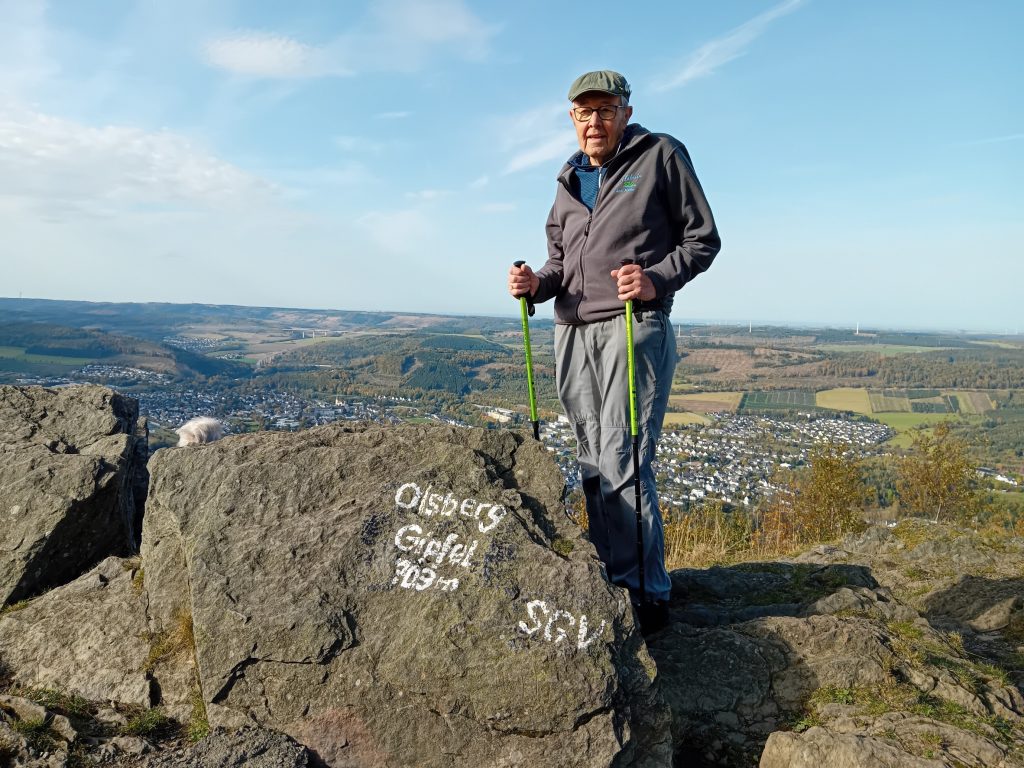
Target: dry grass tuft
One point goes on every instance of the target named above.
(708, 535)
(178, 640)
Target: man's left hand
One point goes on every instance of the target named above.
(634, 284)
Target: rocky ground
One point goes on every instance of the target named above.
(898, 647)
(820, 661)
(416, 596)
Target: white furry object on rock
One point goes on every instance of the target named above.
(199, 430)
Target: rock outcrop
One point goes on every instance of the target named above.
(397, 597)
(817, 663)
(962, 581)
(72, 476)
(88, 638)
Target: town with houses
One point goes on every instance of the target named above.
(728, 460)
(732, 459)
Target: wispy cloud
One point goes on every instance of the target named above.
(541, 135)
(405, 25)
(322, 181)
(393, 36)
(360, 145)
(498, 207)
(398, 115)
(715, 53)
(993, 140)
(547, 151)
(425, 195)
(259, 54)
(398, 231)
(56, 161)
(480, 182)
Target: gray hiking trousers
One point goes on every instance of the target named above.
(593, 384)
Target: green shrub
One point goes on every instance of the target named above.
(36, 733)
(150, 724)
(198, 723)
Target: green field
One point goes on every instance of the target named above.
(930, 401)
(783, 399)
(885, 350)
(14, 362)
(845, 399)
(906, 424)
(680, 419)
(707, 402)
(972, 402)
(997, 344)
(904, 421)
(889, 401)
(940, 404)
(920, 405)
(18, 353)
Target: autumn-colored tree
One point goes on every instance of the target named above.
(937, 477)
(831, 494)
(819, 503)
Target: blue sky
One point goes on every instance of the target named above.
(863, 159)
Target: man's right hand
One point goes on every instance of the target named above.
(522, 281)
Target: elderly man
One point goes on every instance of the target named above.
(628, 195)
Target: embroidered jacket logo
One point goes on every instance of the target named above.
(629, 183)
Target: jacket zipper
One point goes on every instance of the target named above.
(583, 247)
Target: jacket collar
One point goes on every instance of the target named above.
(633, 135)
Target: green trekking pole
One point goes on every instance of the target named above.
(526, 309)
(636, 443)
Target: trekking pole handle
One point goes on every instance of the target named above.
(529, 301)
(639, 315)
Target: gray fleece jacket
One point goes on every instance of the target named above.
(650, 208)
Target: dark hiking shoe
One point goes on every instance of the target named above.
(652, 615)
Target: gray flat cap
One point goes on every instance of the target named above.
(604, 80)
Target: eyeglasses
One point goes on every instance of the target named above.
(583, 114)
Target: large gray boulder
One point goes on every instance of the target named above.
(88, 638)
(410, 596)
(72, 463)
